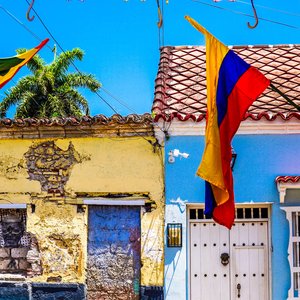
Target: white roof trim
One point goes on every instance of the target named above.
(191, 128)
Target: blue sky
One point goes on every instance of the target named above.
(120, 39)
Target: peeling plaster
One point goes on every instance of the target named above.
(50, 165)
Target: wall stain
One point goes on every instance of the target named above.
(11, 167)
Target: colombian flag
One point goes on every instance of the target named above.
(11, 65)
(232, 86)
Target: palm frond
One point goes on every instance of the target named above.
(83, 80)
(50, 91)
(65, 59)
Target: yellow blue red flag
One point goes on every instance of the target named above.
(232, 86)
(11, 65)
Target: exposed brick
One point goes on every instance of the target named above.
(4, 252)
(4, 263)
(19, 252)
(23, 264)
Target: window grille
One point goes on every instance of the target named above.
(241, 213)
(174, 235)
(25, 239)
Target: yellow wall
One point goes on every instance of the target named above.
(104, 166)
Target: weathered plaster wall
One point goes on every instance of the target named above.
(100, 166)
(62, 237)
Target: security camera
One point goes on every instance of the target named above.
(176, 153)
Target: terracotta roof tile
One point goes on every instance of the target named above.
(73, 121)
(285, 179)
(180, 86)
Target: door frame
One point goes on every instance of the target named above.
(118, 202)
(267, 205)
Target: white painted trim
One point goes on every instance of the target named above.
(288, 214)
(13, 206)
(283, 186)
(191, 128)
(127, 202)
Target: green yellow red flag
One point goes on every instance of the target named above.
(11, 65)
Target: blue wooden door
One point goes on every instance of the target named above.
(113, 268)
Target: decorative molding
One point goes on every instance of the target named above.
(283, 186)
(288, 213)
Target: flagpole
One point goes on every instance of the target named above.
(275, 89)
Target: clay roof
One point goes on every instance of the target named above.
(180, 85)
(285, 179)
(74, 121)
(97, 126)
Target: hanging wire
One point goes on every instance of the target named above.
(160, 23)
(271, 8)
(23, 25)
(28, 11)
(244, 14)
(255, 16)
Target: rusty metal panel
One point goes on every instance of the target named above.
(114, 252)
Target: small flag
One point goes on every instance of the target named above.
(11, 65)
(232, 86)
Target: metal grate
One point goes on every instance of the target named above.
(174, 235)
(242, 213)
(21, 213)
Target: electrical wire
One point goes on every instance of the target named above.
(23, 25)
(118, 100)
(271, 8)
(244, 14)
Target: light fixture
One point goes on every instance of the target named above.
(233, 158)
(176, 153)
(174, 235)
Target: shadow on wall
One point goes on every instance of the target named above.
(171, 261)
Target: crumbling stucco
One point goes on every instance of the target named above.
(62, 236)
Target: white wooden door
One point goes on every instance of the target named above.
(249, 261)
(244, 276)
(209, 279)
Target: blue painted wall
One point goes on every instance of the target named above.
(260, 159)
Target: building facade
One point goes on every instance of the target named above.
(82, 209)
(259, 257)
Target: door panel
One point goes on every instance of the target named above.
(245, 277)
(113, 267)
(249, 267)
(208, 242)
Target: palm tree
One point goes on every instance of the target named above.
(50, 91)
